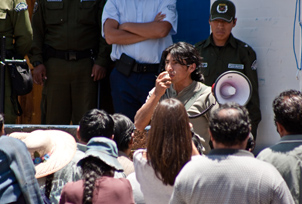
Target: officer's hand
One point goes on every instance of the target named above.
(39, 74)
(163, 82)
(98, 72)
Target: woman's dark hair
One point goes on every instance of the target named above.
(185, 54)
(169, 141)
(123, 128)
(92, 169)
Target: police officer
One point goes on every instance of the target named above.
(69, 57)
(15, 26)
(222, 52)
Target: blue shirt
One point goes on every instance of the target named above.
(141, 11)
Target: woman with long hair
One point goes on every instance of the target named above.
(169, 148)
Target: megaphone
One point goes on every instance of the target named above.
(232, 86)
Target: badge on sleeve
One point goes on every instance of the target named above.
(254, 65)
(172, 7)
(21, 6)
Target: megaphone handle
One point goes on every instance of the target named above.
(203, 112)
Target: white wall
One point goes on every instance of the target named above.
(267, 26)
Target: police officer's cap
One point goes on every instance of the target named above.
(223, 9)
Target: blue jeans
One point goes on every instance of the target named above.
(130, 93)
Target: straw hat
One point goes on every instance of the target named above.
(50, 150)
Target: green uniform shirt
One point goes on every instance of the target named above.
(69, 25)
(235, 55)
(15, 24)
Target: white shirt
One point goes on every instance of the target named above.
(141, 11)
(153, 189)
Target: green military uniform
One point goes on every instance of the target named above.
(67, 35)
(15, 26)
(235, 55)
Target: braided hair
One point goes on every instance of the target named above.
(93, 168)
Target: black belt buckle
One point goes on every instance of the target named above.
(140, 68)
(144, 68)
(71, 56)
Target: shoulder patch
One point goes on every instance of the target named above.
(254, 65)
(172, 7)
(21, 6)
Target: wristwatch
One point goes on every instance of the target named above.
(36, 63)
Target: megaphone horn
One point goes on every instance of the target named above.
(232, 86)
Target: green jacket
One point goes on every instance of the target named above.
(69, 25)
(235, 55)
(15, 25)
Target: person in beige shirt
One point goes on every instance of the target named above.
(181, 80)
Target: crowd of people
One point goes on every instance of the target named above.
(48, 166)
(197, 151)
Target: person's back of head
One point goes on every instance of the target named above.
(1, 124)
(95, 123)
(123, 129)
(185, 54)
(287, 108)
(169, 141)
(230, 124)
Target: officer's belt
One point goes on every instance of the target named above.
(141, 67)
(69, 55)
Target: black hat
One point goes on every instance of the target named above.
(223, 9)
